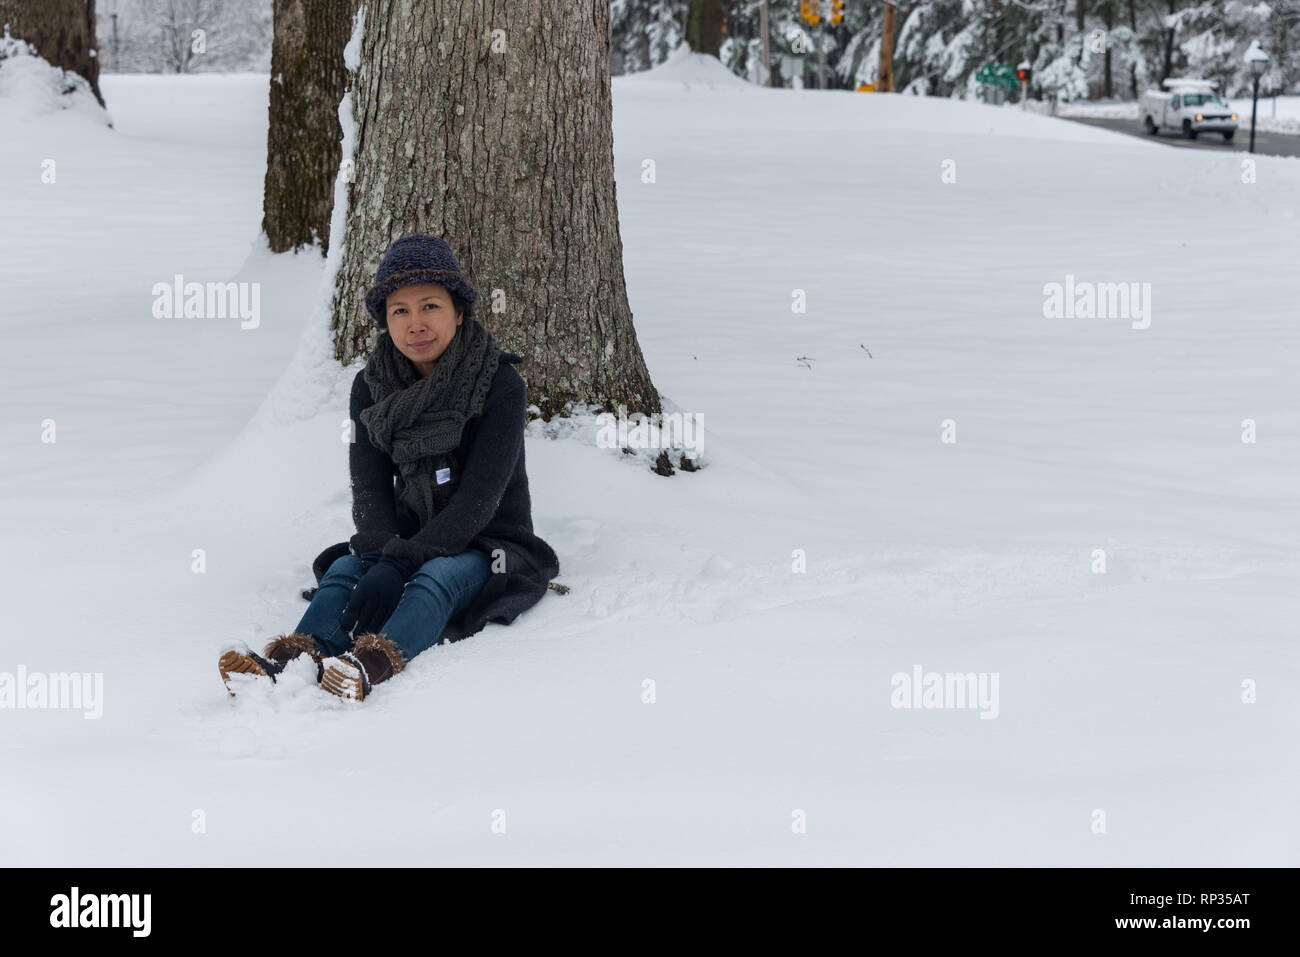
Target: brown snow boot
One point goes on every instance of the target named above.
(372, 659)
(278, 652)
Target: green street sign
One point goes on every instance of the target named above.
(998, 74)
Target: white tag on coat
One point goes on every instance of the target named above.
(443, 476)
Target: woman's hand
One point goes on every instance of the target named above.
(377, 594)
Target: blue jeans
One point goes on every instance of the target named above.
(439, 590)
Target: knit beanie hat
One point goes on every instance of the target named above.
(415, 260)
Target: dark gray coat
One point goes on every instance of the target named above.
(490, 509)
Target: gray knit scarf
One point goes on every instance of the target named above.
(418, 419)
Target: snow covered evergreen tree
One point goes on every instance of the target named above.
(644, 32)
(1216, 34)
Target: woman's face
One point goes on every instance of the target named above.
(422, 321)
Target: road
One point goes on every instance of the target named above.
(1269, 144)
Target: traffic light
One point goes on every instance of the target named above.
(837, 11)
(815, 12)
(1024, 73)
(805, 11)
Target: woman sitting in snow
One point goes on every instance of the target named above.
(439, 407)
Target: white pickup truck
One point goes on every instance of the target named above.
(1188, 106)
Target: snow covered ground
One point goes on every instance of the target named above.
(1120, 695)
(1280, 114)
(1104, 110)
(1277, 114)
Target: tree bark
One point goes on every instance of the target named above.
(1110, 27)
(308, 80)
(1132, 67)
(63, 32)
(643, 45)
(1169, 44)
(490, 124)
(704, 26)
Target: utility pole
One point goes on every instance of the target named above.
(762, 29)
(885, 75)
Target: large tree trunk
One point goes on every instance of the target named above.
(704, 26)
(63, 32)
(308, 80)
(490, 125)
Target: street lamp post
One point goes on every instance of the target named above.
(1257, 59)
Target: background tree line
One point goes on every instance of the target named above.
(1079, 49)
